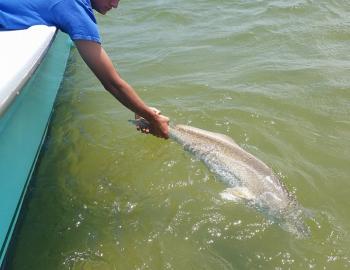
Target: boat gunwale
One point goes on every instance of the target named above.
(9, 100)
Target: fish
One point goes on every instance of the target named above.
(248, 179)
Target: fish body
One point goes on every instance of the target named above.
(248, 178)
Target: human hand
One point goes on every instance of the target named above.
(158, 125)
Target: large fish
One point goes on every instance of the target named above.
(249, 179)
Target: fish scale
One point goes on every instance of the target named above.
(247, 177)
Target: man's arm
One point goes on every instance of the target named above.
(101, 65)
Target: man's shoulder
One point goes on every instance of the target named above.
(74, 9)
(76, 18)
(69, 2)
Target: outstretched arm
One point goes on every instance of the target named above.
(101, 65)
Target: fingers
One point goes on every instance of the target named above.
(137, 117)
(143, 126)
(159, 128)
(155, 110)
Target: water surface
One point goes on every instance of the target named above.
(273, 75)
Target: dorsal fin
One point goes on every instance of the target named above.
(225, 137)
(214, 134)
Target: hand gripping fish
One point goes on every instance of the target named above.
(249, 179)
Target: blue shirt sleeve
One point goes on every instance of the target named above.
(76, 18)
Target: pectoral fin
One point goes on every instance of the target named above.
(237, 194)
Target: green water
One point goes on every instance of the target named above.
(273, 75)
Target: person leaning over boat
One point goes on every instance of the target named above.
(76, 18)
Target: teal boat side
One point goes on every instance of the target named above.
(22, 131)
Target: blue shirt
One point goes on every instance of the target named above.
(74, 17)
